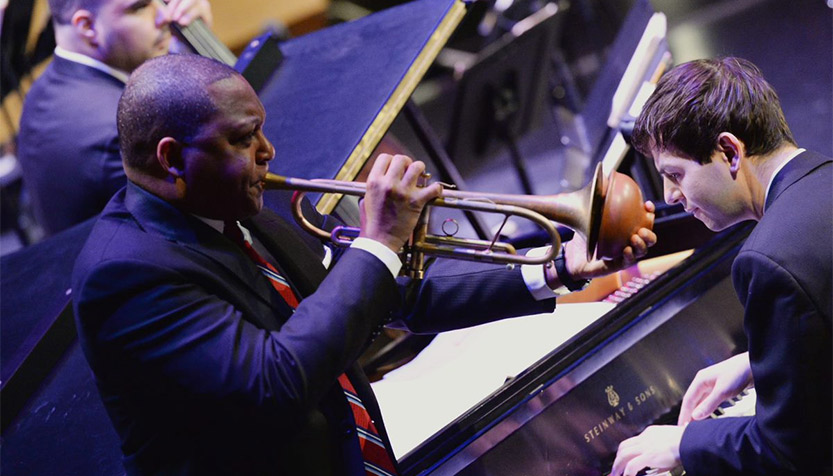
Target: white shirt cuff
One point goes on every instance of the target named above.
(536, 280)
(388, 257)
(533, 275)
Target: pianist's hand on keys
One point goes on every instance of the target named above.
(741, 405)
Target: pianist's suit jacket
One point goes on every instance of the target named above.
(782, 276)
(68, 144)
(205, 370)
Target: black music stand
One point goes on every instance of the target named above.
(339, 89)
(501, 95)
(635, 57)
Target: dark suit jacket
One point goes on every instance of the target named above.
(205, 370)
(68, 144)
(783, 278)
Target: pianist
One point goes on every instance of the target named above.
(206, 361)
(716, 133)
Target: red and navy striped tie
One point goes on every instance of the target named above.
(377, 462)
(233, 231)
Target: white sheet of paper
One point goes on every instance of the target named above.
(461, 368)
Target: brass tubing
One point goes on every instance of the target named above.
(606, 212)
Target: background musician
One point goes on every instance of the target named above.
(717, 135)
(221, 349)
(68, 144)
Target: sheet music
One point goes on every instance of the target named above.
(461, 368)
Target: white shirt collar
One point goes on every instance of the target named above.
(328, 254)
(778, 169)
(220, 224)
(91, 62)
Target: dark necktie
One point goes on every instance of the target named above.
(377, 462)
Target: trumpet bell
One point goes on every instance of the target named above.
(606, 212)
(623, 214)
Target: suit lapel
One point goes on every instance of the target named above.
(158, 217)
(73, 70)
(793, 171)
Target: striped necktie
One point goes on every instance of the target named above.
(281, 285)
(376, 459)
(377, 462)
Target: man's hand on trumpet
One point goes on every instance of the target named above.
(393, 201)
(580, 268)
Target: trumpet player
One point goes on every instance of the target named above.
(219, 342)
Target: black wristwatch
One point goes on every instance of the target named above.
(564, 276)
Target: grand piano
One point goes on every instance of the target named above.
(564, 412)
(618, 369)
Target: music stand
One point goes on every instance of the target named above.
(637, 57)
(501, 95)
(339, 89)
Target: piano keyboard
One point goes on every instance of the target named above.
(741, 405)
(630, 288)
(618, 287)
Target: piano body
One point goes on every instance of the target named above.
(567, 412)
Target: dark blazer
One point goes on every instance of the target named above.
(782, 276)
(205, 370)
(68, 143)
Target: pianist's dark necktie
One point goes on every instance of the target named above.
(376, 459)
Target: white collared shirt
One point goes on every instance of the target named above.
(778, 169)
(247, 235)
(92, 63)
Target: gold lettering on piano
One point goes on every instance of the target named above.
(612, 396)
(621, 411)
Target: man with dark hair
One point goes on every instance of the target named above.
(222, 347)
(68, 144)
(717, 135)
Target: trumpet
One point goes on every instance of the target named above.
(606, 212)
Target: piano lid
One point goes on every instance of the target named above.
(339, 89)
